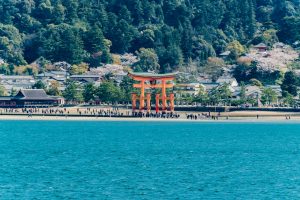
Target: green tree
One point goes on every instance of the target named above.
(256, 82)
(89, 91)
(109, 92)
(106, 56)
(289, 100)
(187, 41)
(171, 59)
(268, 96)
(202, 96)
(236, 49)
(225, 93)
(243, 93)
(72, 8)
(70, 30)
(59, 11)
(39, 85)
(97, 46)
(148, 60)
(11, 43)
(63, 43)
(3, 91)
(289, 84)
(201, 49)
(126, 87)
(215, 96)
(122, 36)
(72, 46)
(94, 40)
(4, 69)
(44, 11)
(13, 92)
(280, 10)
(269, 37)
(125, 14)
(54, 89)
(73, 92)
(79, 69)
(290, 27)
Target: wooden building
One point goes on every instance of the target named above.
(31, 98)
(261, 47)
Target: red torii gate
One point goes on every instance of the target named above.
(149, 81)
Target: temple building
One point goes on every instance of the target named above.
(31, 98)
(261, 47)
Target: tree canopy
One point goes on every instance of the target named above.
(176, 31)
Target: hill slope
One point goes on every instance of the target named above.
(177, 30)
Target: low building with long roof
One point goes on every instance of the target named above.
(31, 98)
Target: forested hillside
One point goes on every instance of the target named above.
(177, 31)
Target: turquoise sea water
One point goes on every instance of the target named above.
(137, 160)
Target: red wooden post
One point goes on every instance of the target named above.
(172, 105)
(157, 97)
(142, 96)
(133, 97)
(148, 102)
(164, 95)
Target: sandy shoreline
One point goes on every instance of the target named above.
(95, 113)
(241, 119)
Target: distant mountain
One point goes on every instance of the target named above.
(177, 30)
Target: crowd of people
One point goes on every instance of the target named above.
(204, 116)
(65, 112)
(169, 115)
(86, 112)
(114, 112)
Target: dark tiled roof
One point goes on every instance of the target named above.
(151, 75)
(34, 94)
(5, 98)
(58, 78)
(261, 45)
(46, 74)
(5, 77)
(59, 72)
(85, 76)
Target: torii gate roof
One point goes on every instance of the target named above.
(151, 75)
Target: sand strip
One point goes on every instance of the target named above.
(270, 119)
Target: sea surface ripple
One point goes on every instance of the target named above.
(148, 160)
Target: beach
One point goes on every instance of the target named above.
(241, 116)
(109, 113)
